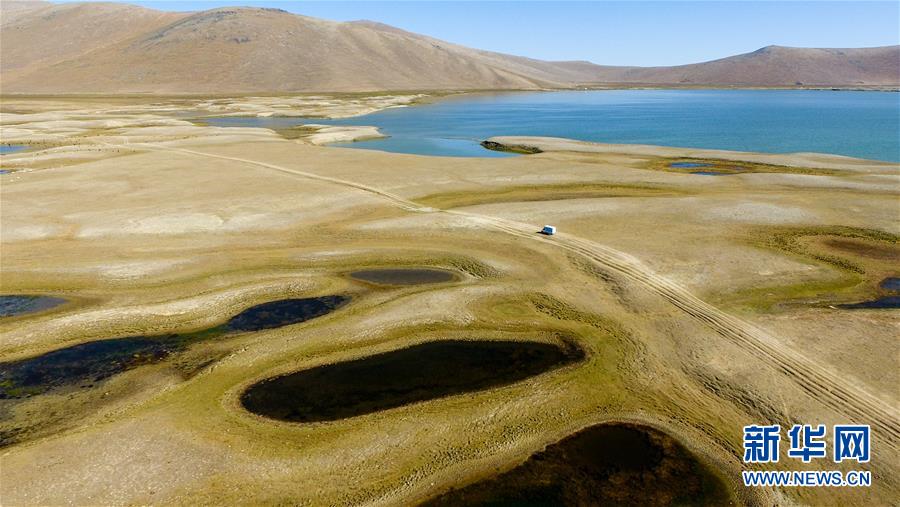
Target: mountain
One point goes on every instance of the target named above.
(775, 66)
(35, 35)
(118, 48)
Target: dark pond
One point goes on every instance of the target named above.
(12, 305)
(882, 303)
(84, 364)
(890, 301)
(891, 284)
(284, 313)
(392, 379)
(403, 276)
(688, 165)
(707, 169)
(608, 464)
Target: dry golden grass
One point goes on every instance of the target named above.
(186, 230)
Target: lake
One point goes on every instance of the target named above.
(857, 124)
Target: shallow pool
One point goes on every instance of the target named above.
(13, 305)
(403, 276)
(85, 364)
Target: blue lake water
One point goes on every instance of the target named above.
(857, 124)
(11, 148)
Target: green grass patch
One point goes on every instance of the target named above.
(857, 274)
(723, 166)
(528, 193)
(789, 239)
(560, 310)
(521, 149)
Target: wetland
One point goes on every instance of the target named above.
(85, 364)
(161, 220)
(15, 305)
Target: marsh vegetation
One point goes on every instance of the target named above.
(85, 364)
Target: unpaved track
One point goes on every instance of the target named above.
(821, 382)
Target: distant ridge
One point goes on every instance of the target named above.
(117, 48)
(776, 66)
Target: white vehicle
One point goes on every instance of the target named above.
(549, 230)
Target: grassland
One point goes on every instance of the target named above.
(164, 226)
(859, 258)
(552, 192)
(723, 166)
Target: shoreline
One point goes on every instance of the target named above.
(532, 145)
(155, 225)
(441, 92)
(172, 115)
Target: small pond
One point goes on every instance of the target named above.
(403, 276)
(885, 302)
(707, 168)
(881, 303)
(392, 379)
(688, 165)
(11, 148)
(608, 464)
(892, 284)
(284, 313)
(84, 364)
(13, 305)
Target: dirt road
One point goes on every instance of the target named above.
(821, 382)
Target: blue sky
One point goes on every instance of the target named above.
(613, 33)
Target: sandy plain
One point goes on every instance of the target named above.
(704, 303)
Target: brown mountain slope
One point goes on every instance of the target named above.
(35, 35)
(245, 50)
(11, 9)
(774, 66)
(116, 48)
(550, 72)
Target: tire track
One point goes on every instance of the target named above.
(820, 382)
(824, 384)
(397, 200)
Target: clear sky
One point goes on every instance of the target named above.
(612, 33)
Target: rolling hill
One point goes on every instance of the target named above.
(775, 66)
(117, 48)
